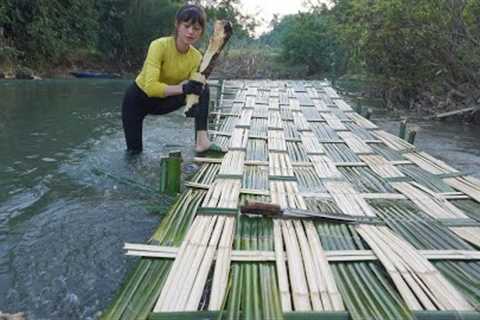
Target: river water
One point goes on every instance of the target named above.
(69, 198)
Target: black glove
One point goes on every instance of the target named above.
(192, 86)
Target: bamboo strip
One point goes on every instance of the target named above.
(381, 166)
(404, 263)
(333, 121)
(274, 120)
(331, 92)
(239, 138)
(393, 142)
(361, 121)
(245, 118)
(429, 163)
(310, 269)
(355, 143)
(222, 266)
(342, 105)
(233, 163)
(348, 200)
(296, 269)
(467, 185)
(324, 167)
(300, 122)
(281, 268)
(311, 144)
(470, 234)
(436, 207)
(276, 141)
(280, 165)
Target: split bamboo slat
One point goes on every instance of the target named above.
(382, 167)
(420, 284)
(300, 122)
(361, 121)
(342, 105)
(276, 141)
(311, 144)
(355, 143)
(333, 121)
(331, 92)
(275, 120)
(429, 163)
(239, 139)
(393, 142)
(320, 104)
(468, 185)
(280, 165)
(233, 163)
(245, 118)
(325, 167)
(294, 105)
(349, 200)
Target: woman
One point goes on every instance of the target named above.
(163, 83)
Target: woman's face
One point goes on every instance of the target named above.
(187, 32)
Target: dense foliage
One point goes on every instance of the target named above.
(55, 32)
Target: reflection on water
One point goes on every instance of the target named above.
(69, 198)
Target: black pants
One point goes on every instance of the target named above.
(136, 105)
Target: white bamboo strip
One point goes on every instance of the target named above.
(361, 121)
(470, 234)
(429, 163)
(393, 142)
(274, 103)
(300, 122)
(331, 298)
(194, 293)
(331, 92)
(239, 138)
(342, 105)
(467, 185)
(275, 120)
(381, 166)
(436, 207)
(332, 256)
(310, 268)
(296, 270)
(276, 141)
(355, 143)
(321, 105)
(294, 105)
(311, 144)
(193, 235)
(312, 93)
(349, 200)
(252, 91)
(425, 282)
(233, 163)
(280, 165)
(324, 167)
(245, 118)
(333, 121)
(189, 269)
(282, 276)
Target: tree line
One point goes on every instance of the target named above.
(420, 53)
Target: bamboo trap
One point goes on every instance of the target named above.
(418, 281)
(356, 144)
(333, 121)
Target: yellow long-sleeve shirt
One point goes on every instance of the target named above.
(164, 66)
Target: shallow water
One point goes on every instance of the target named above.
(69, 198)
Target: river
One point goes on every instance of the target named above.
(69, 198)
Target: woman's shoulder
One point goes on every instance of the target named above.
(164, 41)
(195, 52)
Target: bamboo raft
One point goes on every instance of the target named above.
(299, 145)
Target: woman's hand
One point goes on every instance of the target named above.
(192, 86)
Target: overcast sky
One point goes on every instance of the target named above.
(265, 9)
